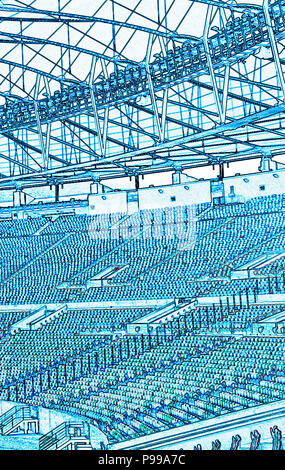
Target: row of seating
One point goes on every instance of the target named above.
(144, 395)
(157, 268)
(191, 368)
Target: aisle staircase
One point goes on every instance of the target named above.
(67, 436)
(250, 269)
(160, 316)
(53, 218)
(36, 258)
(38, 318)
(19, 419)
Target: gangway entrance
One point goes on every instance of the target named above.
(19, 419)
(67, 436)
(250, 269)
(159, 316)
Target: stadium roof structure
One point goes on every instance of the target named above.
(107, 89)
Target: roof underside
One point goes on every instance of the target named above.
(95, 90)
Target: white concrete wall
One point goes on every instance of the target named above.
(108, 203)
(190, 193)
(154, 198)
(248, 186)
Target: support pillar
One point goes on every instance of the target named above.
(137, 182)
(17, 198)
(176, 177)
(264, 164)
(96, 188)
(56, 193)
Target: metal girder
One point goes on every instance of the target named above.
(180, 107)
(17, 163)
(233, 6)
(66, 143)
(238, 123)
(91, 131)
(23, 39)
(274, 47)
(63, 16)
(25, 144)
(195, 128)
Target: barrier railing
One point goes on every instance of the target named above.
(62, 434)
